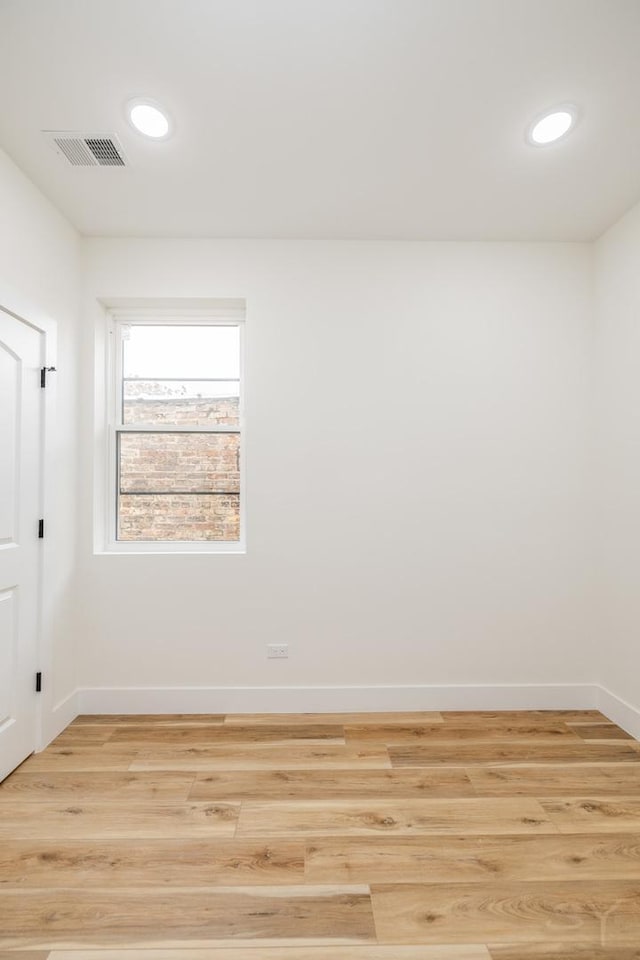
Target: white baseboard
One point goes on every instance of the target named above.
(59, 717)
(618, 710)
(345, 699)
(551, 696)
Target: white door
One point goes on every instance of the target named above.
(21, 353)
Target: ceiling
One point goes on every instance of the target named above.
(374, 119)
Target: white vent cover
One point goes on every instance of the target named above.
(87, 149)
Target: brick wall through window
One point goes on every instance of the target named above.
(179, 486)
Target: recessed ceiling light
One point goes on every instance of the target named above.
(149, 118)
(552, 126)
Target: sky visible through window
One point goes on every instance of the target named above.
(181, 351)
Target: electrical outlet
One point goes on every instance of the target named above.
(277, 651)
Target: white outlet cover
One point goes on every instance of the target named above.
(277, 650)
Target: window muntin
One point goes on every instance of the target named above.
(176, 443)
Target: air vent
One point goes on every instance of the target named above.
(87, 149)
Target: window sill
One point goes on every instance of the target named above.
(170, 550)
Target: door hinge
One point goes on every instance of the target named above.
(38, 682)
(40, 529)
(43, 375)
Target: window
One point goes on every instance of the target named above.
(175, 438)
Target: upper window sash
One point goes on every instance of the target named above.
(118, 379)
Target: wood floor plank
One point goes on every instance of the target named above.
(116, 863)
(162, 719)
(79, 758)
(266, 756)
(466, 754)
(223, 916)
(26, 955)
(465, 859)
(89, 735)
(609, 815)
(600, 731)
(258, 719)
(527, 716)
(507, 912)
(455, 732)
(97, 820)
(331, 784)
(563, 951)
(369, 952)
(69, 787)
(149, 734)
(394, 817)
(566, 780)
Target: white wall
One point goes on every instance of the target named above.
(39, 268)
(418, 471)
(448, 533)
(617, 273)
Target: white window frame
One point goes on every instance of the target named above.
(146, 317)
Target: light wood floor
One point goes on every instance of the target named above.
(418, 836)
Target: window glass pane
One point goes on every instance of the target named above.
(182, 403)
(181, 351)
(179, 462)
(191, 517)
